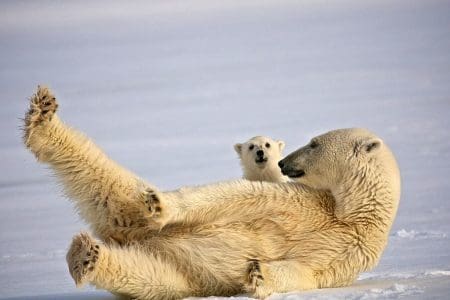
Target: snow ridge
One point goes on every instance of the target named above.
(419, 235)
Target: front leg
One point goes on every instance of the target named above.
(209, 203)
(266, 278)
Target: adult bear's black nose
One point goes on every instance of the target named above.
(281, 164)
(260, 153)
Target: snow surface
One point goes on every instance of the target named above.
(167, 87)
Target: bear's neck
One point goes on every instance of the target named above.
(368, 200)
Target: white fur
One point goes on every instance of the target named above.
(267, 170)
(199, 241)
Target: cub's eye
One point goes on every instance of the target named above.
(267, 145)
(251, 147)
(314, 144)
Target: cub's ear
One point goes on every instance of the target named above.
(370, 145)
(281, 145)
(238, 148)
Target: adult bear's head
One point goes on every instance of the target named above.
(338, 156)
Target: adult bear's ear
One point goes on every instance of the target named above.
(370, 146)
(281, 145)
(238, 148)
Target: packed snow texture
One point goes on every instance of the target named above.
(167, 87)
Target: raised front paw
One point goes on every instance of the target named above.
(152, 203)
(255, 277)
(82, 258)
(43, 106)
(153, 207)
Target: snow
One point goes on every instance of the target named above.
(167, 87)
(412, 234)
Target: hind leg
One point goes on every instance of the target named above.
(106, 194)
(125, 271)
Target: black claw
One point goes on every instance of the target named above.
(158, 209)
(86, 262)
(97, 246)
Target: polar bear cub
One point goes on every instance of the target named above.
(259, 159)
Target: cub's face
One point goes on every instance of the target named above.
(259, 152)
(327, 158)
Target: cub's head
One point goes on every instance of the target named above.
(259, 152)
(339, 155)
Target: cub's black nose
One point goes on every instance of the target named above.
(260, 153)
(281, 164)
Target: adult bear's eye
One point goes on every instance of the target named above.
(313, 144)
(267, 145)
(251, 147)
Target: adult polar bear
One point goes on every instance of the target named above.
(225, 238)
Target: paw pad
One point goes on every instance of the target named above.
(152, 202)
(82, 258)
(43, 105)
(255, 276)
